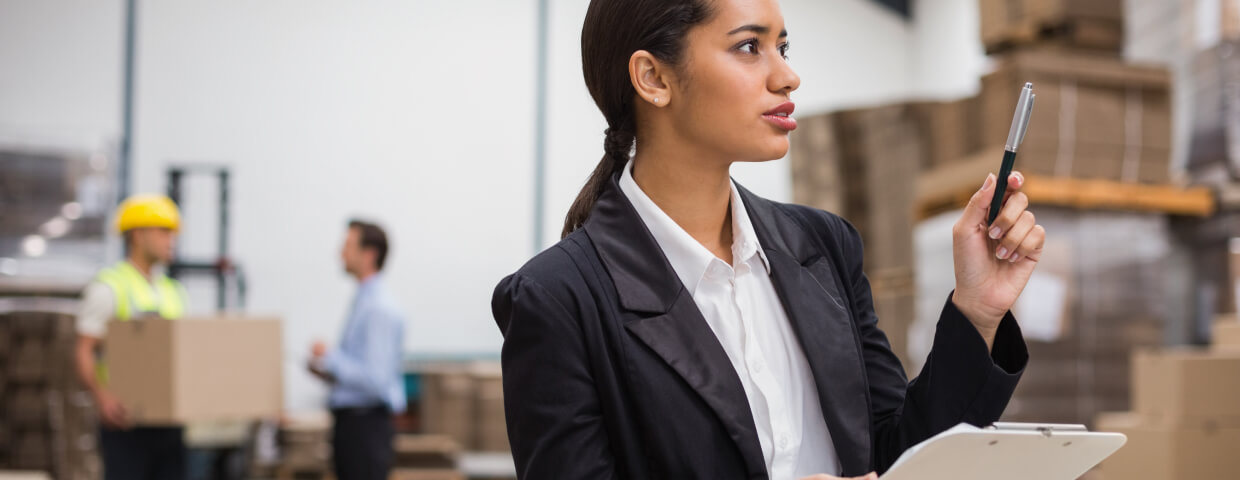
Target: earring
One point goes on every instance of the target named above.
(656, 100)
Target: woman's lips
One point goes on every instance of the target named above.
(781, 116)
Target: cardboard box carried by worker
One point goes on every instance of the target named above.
(168, 372)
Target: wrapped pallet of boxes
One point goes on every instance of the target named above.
(1185, 421)
(1086, 307)
(1214, 154)
(862, 164)
(1081, 24)
(196, 369)
(1094, 117)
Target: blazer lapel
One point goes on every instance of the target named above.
(663, 316)
(806, 283)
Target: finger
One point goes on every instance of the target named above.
(1009, 246)
(1031, 247)
(979, 205)
(1015, 182)
(871, 476)
(1008, 215)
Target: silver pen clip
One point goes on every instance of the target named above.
(1020, 118)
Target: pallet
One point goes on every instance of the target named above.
(950, 187)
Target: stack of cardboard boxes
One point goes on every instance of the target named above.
(1096, 117)
(1074, 24)
(305, 447)
(1185, 421)
(862, 164)
(46, 418)
(465, 403)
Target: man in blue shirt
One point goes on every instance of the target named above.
(365, 373)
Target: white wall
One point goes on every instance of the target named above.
(60, 71)
(415, 113)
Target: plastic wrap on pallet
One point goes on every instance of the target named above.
(1107, 282)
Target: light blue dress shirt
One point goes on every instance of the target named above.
(368, 365)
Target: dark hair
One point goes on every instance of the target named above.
(372, 237)
(613, 30)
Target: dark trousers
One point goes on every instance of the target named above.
(145, 453)
(362, 443)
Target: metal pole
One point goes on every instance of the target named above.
(124, 162)
(221, 282)
(540, 126)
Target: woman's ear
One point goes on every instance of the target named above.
(651, 78)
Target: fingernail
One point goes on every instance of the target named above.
(990, 180)
(1019, 178)
(1015, 258)
(994, 232)
(1002, 254)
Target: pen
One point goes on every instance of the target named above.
(1016, 136)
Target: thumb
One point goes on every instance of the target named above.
(979, 205)
(871, 476)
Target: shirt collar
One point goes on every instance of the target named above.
(688, 257)
(371, 283)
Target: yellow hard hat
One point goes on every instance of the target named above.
(147, 211)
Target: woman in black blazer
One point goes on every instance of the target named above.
(612, 369)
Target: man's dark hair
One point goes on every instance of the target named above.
(372, 237)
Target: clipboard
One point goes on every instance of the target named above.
(1011, 451)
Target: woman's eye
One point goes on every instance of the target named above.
(783, 51)
(750, 47)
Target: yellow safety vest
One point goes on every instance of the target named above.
(135, 296)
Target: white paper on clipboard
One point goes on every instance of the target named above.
(1008, 451)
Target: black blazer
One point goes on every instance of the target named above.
(610, 370)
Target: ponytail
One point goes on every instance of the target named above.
(617, 145)
(612, 32)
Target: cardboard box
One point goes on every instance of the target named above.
(426, 452)
(418, 474)
(1226, 334)
(1090, 24)
(448, 405)
(27, 475)
(1185, 386)
(32, 450)
(28, 405)
(950, 130)
(862, 164)
(197, 369)
(1095, 117)
(1161, 452)
(492, 427)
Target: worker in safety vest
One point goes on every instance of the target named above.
(133, 289)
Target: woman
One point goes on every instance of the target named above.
(686, 328)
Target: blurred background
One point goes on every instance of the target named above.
(465, 129)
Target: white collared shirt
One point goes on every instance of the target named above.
(744, 311)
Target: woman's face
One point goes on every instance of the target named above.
(736, 84)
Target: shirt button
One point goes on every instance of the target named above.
(783, 441)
